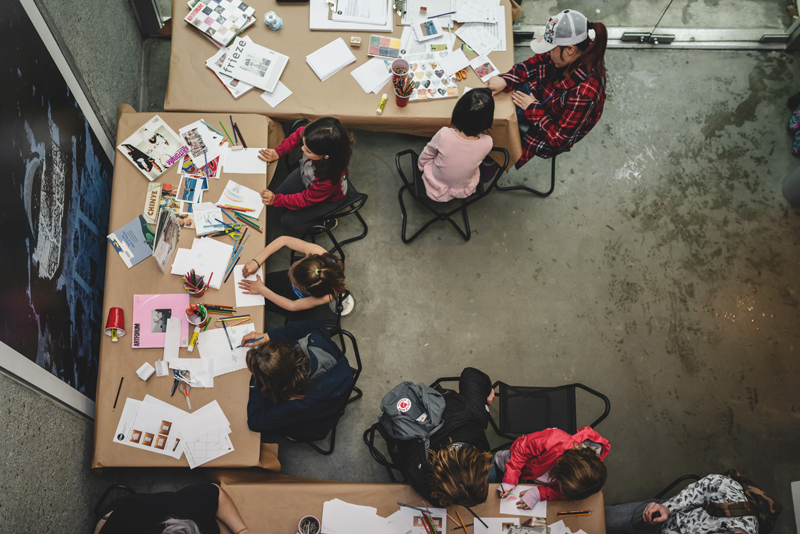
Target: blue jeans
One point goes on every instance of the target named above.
(620, 519)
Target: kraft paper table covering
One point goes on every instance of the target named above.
(120, 359)
(194, 87)
(274, 503)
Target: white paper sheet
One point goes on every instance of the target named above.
(202, 142)
(205, 434)
(360, 11)
(242, 299)
(201, 372)
(318, 19)
(330, 59)
(497, 30)
(339, 517)
(133, 429)
(494, 525)
(244, 161)
(213, 344)
(205, 215)
(476, 11)
(244, 197)
(398, 524)
(373, 74)
(454, 62)
(278, 95)
(434, 7)
(478, 38)
(484, 68)
(172, 341)
(182, 263)
(410, 46)
(508, 505)
(559, 528)
(211, 256)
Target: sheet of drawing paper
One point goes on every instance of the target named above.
(203, 143)
(208, 446)
(204, 418)
(211, 256)
(242, 299)
(278, 95)
(172, 342)
(339, 517)
(477, 37)
(508, 505)
(398, 524)
(182, 263)
(244, 161)
(244, 197)
(373, 74)
(559, 528)
(495, 525)
(206, 216)
(201, 372)
(454, 62)
(213, 344)
(149, 426)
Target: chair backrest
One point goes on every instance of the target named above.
(342, 334)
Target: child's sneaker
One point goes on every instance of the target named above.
(347, 305)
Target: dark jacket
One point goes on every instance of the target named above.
(324, 396)
(466, 417)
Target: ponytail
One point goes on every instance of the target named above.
(319, 275)
(593, 51)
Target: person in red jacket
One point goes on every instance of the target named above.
(568, 467)
(320, 183)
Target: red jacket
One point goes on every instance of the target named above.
(574, 106)
(535, 454)
(318, 191)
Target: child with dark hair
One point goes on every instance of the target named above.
(568, 467)
(320, 183)
(450, 161)
(302, 291)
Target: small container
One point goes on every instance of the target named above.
(401, 101)
(311, 525)
(272, 20)
(197, 294)
(198, 320)
(399, 69)
(115, 326)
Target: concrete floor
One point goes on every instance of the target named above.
(662, 272)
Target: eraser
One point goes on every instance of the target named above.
(162, 368)
(423, 9)
(145, 371)
(355, 42)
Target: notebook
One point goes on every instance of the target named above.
(330, 59)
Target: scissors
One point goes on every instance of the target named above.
(461, 75)
(185, 388)
(194, 309)
(180, 376)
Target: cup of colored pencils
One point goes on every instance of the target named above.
(194, 284)
(403, 87)
(400, 69)
(197, 316)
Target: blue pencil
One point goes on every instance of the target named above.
(233, 264)
(229, 215)
(442, 15)
(210, 128)
(235, 139)
(205, 172)
(227, 336)
(251, 341)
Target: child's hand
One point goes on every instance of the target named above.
(267, 197)
(502, 491)
(529, 499)
(252, 287)
(497, 84)
(249, 268)
(268, 154)
(254, 335)
(522, 100)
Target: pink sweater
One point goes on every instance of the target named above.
(449, 164)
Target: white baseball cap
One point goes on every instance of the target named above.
(567, 28)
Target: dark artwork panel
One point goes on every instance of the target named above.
(54, 205)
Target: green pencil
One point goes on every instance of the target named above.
(226, 132)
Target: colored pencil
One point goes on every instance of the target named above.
(234, 208)
(241, 137)
(442, 15)
(205, 171)
(233, 127)
(476, 516)
(245, 316)
(412, 507)
(237, 323)
(462, 528)
(209, 279)
(118, 390)
(252, 225)
(462, 521)
(235, 261)
(217, 305)
(226, 133)
(574, 513)
(251, 341)
(227, 336)
(228, 215)
(429, 517)
(248, 217)
(209, 127)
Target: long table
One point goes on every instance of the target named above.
(194, 87)
(118, 360)
(272, 503)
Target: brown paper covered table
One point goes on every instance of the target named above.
(194, 87)
(273, 503)
(120, 359)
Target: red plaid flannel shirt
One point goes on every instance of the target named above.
(566, 117)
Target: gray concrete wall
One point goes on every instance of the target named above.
(104, 42)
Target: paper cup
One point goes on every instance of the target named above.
(309, 520)
(399, 69)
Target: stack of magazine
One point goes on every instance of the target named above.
(220, 20)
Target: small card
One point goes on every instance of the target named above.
(454, 62)
(484, 68)
(278, 95)
(427, 29)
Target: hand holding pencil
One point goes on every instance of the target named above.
(253, 339)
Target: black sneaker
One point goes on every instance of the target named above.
(330, 224)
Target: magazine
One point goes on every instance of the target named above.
(151, 202)
(236, 87)
(133, 242)
(150, 314)
(221, 20)
(254, 64)
(153, 148)
(168, 232)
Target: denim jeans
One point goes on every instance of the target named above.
(620, 519)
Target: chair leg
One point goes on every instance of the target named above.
(530, 189)
(357, 396)
(320, 449)
(360, 236)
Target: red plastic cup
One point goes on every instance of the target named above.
(401, 101)
(115, 325)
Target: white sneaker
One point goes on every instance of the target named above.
(347, 305)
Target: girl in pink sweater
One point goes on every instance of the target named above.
(320, 183)
(450, 161)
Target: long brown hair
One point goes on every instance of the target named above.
(459, 476)
(318, 275)
(327, 137)
(593, 53)
(580, 473)
(280, 370)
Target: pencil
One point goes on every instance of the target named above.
(233, 127)
(209, 280)
(217, 305)
(209, 127)
(229, 215)
(237, 323)
(476, 516)
(251, 341)
(574, 513)
(241, 138)
(412, 507)
(118, 390)
(462, 521)
(234, 208)
(227, 336)
(250, 224)
(235, 261)
(226, 133)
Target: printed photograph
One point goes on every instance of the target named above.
(158, 320)
(484, 70)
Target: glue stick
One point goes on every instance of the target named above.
(114, 337)
(384, 98)
(193, 340)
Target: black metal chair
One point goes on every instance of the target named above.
(693, 478)
(99, 508)
(536, 191)
(416, 187)
(351, 204)
(342, 334)
(334, 321)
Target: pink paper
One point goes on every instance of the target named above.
(150, 314)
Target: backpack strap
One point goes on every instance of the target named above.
(729, 509)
